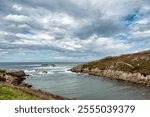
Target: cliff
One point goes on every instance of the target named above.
(133, 67)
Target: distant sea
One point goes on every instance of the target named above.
(60, 81)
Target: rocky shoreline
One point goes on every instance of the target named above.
(16, 79)
(114, 74)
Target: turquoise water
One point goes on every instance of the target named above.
(59, 80)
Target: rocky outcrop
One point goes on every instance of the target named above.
(18, 73)
(13, 77)
(77, 69)
(48, 65)
(114, 74)
(2, 79)
(133, 67)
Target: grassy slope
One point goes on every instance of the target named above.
(137, 62)
(10, 93)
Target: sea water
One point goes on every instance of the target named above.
(58, 80)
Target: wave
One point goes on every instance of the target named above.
(48, 70)
(29, 71)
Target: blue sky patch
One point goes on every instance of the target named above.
(132, 17)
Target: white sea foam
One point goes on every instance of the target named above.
(49, 70)
(30, 71)
(32, 65)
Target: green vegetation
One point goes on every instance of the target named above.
(2, 71)
(137, 62)
(10, 93)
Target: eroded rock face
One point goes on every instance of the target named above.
(77, 69)
(2, 79)
(114, 74)
(18, 73)
(13, 77)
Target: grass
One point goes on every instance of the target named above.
(137, 62)
(10, 93)
(2, 71)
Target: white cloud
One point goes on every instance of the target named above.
(144, 21)
(3, 33)
(24, 26)
(140, 29)
(141, 34)
(74, 28)
(35, 39)
(56, 20)
(16, 18)
(17, 7)
(106, 44)
(70, 45)
(23, 36)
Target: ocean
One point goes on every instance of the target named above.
(58, 80)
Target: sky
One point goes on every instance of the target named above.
(72, 30)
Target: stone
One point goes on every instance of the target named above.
(77, 69)
(18, 73)
(114, 74)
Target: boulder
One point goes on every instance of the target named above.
(2, 73)
(18, 73)
(13, 79)
(2, 79)
(77, 69)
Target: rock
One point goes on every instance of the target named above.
(47, 65)
(2, 79)
(77, 68)
(26, 85)
(85, 70)
(19, 73)
(115, 74)
(44, 72)
(18, 80)
(13, 79)
(53, 65)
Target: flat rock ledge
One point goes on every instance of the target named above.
(114, 74)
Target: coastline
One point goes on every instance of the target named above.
(112, 74)
(14, 79)
(132, 67)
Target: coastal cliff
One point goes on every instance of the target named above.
(130, 67)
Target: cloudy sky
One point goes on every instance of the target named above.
(72, 30)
